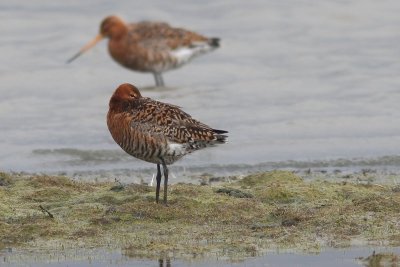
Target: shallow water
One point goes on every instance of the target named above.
(352, 257)
(294, 81)
(298, 84)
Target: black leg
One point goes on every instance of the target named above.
(158, 179)
(165, 181)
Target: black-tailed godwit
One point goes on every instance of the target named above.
(150, 46)
(156, 132)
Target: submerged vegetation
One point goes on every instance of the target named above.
(262, 211)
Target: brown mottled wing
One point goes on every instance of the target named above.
(160, 36)
(177, 126)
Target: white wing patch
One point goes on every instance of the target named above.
(184, 54)
(177, 149)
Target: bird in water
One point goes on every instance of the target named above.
(156, 132)
(153, 47)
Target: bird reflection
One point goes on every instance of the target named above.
(167, 262)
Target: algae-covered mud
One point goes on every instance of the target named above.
(246, 217)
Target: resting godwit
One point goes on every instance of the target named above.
(156, 132)
(150, 46)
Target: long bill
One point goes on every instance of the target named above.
(89, 45)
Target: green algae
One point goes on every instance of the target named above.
(381, 259)
(259, 212)
(5, 179)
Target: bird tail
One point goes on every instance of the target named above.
(220, 135)
(214, 42)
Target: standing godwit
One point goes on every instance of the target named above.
(150, 46)
(156, 132)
